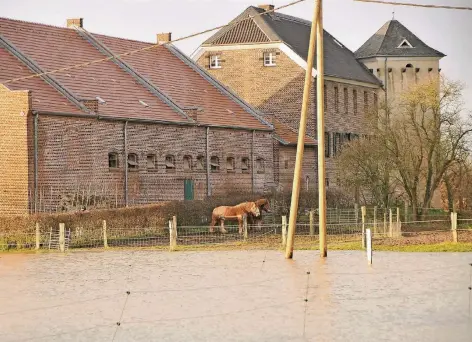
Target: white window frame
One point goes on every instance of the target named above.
(215, 62)
(269, 59)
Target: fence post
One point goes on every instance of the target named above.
(284, 231)
(105, 239)
(385, 222)
(363, 212)
(390, 224)
(399, 224)
(245, 227)
(173, 233)
(406, 212)
(375, 220)
(312, 222)
(369, 246)
(62, 239)
(356, 214)
(454, 226)
(38, 235)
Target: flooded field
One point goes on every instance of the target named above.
(234, 296)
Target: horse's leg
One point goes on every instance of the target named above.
(240, 223)
(222, 227)
(212, 224)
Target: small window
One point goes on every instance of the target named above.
(376, 102)
(325, 98)
(307, 182)
(405, 44)
(151, 161)
(336, 143)
(132, 161)
(327, 144)
(215, 164)
(200, 165)
(269, 59)
(245, 165)
(409, 65)
(230, 164)
(215, 62)
(260, 167)
(371, 70)
(113, 160)
(366, 102)
(286, 162)
(187, 163)
(336, 99)
(170, 163)
(354, 100)
(327, 182)
(346, 101)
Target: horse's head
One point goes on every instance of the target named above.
(252, 208)
(263, 205)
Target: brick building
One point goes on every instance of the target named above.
(263, 60)
(131, 129)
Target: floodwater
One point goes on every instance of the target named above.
(235, 296)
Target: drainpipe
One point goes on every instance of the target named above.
(208, 161)
(252, 161)
(35, 159)
(125, 133)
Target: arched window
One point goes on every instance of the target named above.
(151, 161)
(245, 165)
(113, 160)
(170, 163)
(200, 165)
(230, 164)
(409, 65)
(187, 163)
(215, 164)
(260, 167)
(132, 161)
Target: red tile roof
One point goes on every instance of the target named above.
(54, 47)
(288, 135)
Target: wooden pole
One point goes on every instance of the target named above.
(301, 139)
(312, 222)
(173, 233)
(398, 226)
(321, 132)
(369, 246)
(363, 212)
(454, 227)
(284, 231)
(62, 240)
(105, 239)
(38, 236)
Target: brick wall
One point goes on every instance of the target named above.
(73, 160)
(278, 91)
(14, 112)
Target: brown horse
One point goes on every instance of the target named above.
(237, 212)
(263, 205)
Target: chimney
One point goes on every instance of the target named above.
(163, 38)
(78, 22)
(266, 7)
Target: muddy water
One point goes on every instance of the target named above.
(234, 296)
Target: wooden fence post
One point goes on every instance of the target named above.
(375, 220)
(363, 212)
(399, 224)
(454, 227)
(173, 233)
(390, 224)
(284, 231)
(105, 239)
(62, 239)
(312, 222)
(38, 236)
(385, 222)
(245, 227)
(356, 213)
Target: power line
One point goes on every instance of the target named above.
(415, 5)
(153, 46)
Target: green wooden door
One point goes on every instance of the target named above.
(188, 189)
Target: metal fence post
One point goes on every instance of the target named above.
(38, 236)
(363, 212)
(284, 231)
(105, 239)
(454, 227)
(312, 222)
(62, 240)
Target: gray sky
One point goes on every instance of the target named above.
(352, 23)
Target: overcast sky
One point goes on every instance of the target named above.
(352, 23)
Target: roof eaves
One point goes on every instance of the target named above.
(176, 52)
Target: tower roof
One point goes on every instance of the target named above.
(393, 39)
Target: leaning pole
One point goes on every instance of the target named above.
(301, 133)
